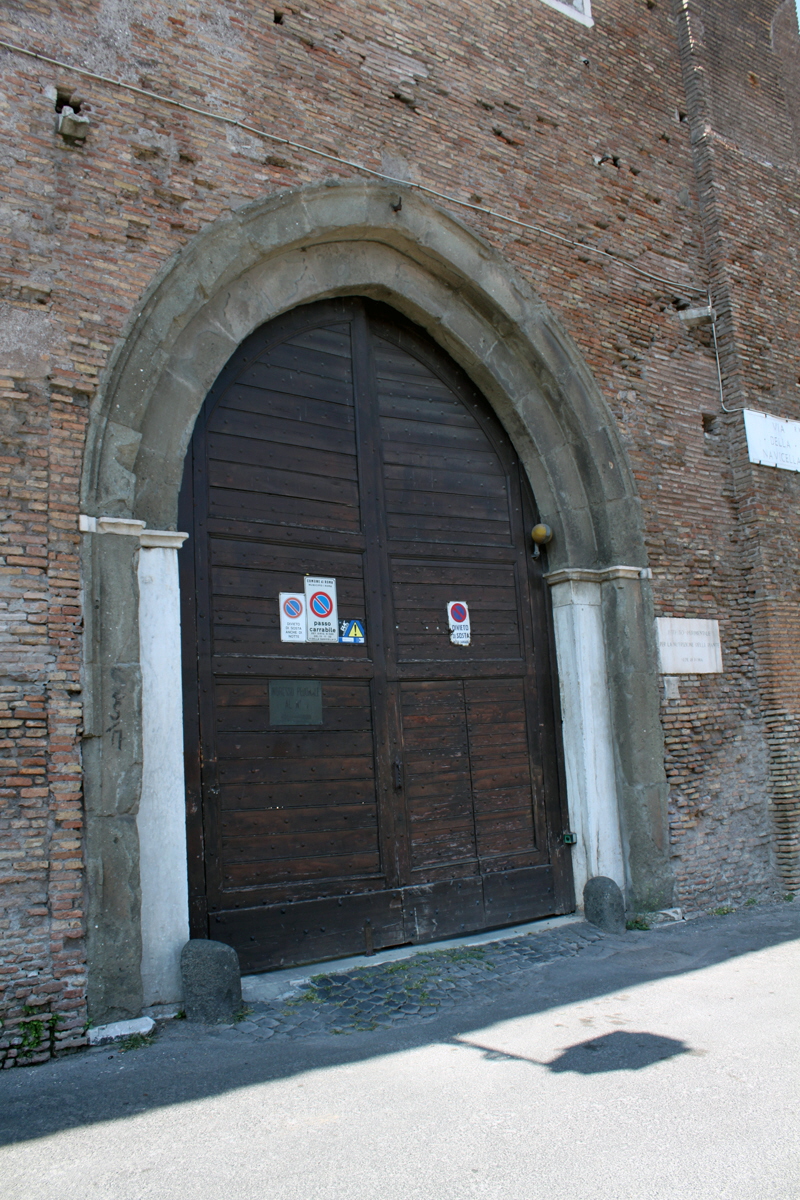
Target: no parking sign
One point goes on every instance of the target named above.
(322, 616)
(292, 607)
(458, 620)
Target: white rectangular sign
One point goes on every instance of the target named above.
(458, 620)
(688, 647)
(322, 617)
(293, 616)
(772, 441)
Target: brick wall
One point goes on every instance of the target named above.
(600, 134)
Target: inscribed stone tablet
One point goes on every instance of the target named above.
(295, 702)
(688, 647)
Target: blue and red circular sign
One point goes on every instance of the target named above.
(321, 604)
(292, 607)
(458, 613)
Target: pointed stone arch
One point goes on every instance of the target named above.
(351, 239)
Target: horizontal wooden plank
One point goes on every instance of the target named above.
(423, 503)
(253, 582)
(442, 844)
(244, 874)
(272, 403)
(261, 612)
(493, 693)
(239, 796)
(319, 743)
(335, 693)
(345, 721)
(500, 774)
(294, 356)
(282, 935)
(250, 506)
(272, 481)
(277, 770)
(422, 402)
(483, 462)
(450, 530)
(423, 637)
(241, 528)
(444, 721)
(421, 765)
(447, 807)
(403, 431)
(499, 800)
(495, 651)
(477, 570)
(229, 641)
(311, 660)
(392, 360)
(446, 668)
(304, 460)
(275, 848)
(523, 895)
(267, 428)
(511, 734)
(437, 480)
(333, 339)
(444, 909)
(456, 784)
(428, 696)
(297, 383)
(444, 553)
(452, 736)
(241, 552)
(249, 823)
(509, 833)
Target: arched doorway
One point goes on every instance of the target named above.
(349, 794)
(284, 251)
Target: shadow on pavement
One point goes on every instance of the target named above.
(189, 1063)
(621, 1050)
(617, 1051)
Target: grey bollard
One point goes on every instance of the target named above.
(212, 981)
(603, 904)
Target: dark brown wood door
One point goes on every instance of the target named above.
(420, 798)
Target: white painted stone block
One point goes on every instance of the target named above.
(587, 733)
(161, 820)
(688, 647)
(120, 1029)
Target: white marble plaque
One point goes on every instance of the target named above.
(772, 441)
(688, 647)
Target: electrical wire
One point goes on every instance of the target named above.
(587, 247)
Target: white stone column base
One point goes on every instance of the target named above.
(586, 724)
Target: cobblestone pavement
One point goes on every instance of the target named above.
(407, 990)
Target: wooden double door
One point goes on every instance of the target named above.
(413, 790)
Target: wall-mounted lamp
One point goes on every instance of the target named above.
(540, 535)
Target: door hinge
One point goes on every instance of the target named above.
(398, 774)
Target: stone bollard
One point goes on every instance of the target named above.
(603, 904)
(212, 981)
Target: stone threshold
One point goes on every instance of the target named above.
(279, 985)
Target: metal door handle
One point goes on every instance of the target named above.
(398, 774)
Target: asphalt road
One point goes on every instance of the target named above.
(656, 1065)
